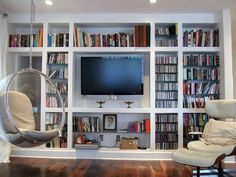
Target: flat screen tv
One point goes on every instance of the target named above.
(112, 75)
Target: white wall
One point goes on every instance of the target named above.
(233, 17)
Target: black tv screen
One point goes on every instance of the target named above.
(112, 75)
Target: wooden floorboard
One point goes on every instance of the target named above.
(32, 167)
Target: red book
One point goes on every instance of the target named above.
(147, 125)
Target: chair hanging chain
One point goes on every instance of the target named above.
(32, 16)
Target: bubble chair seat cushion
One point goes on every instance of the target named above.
(18, 119)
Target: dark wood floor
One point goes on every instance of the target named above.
(30, 167)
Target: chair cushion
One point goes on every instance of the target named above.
(220, 132)
(196, 158)
(202, 147)
(21, 110)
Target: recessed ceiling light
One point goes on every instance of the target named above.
(48, 2)
(152, 1)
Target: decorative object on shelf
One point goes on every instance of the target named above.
(129, 103)
(110, 122)
(129, 143)
(100, 102)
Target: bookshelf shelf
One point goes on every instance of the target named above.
(111, 110)
(166, 49)
(201, 49)
(55, 110)
(24, 49)
(111, 49)
(163, 81)
(58, 49)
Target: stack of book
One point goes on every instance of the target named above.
(23, 40)
(201, 38)
(86, 124)
(85, 39)
(143, 126)
(58, 40)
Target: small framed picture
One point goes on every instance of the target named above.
(110, 122)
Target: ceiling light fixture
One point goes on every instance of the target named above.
(48, 2)
(152, 1)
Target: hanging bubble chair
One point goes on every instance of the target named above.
(21, 105)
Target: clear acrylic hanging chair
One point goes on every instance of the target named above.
(21, 106)
(22, 102)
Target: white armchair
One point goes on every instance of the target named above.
(218, 139)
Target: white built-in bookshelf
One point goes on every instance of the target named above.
(181, 71)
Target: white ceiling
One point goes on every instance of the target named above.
(117, 6)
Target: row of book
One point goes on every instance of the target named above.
(201, 88)
(86, 124)
(166, 42)
(166, 118)
(167, 77)
(53, 118)
(166, 145)
(201, 74)
(164, 136)
(193, 122)
(58, 58)
(195, 119)
(166, 68)
(23, 40)
(62, 87)
(171, 95)
(53, 101)
(166, 86)
(201, 60)
(166, 60)
(166, 30)
(140, 38)
(58, 142)
(166, 104)
(57, 73)
(85, 39)
(166, 127)
(58, 40)
(197, 101)
(201, 38)
(142, 35)
(136, 127)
